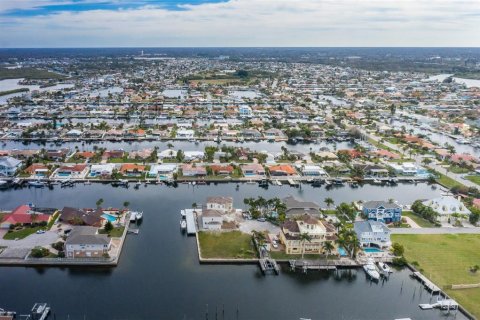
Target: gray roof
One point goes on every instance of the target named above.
(297, 207)
(87, 235)
(368, 226)
(9, 162)
(376, 204)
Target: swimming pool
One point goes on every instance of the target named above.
(372, 250)
(108, 217)
(341, 252)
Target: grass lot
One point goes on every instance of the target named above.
(29, 73)
(458, 170)
(447, 181)
(446, 260)
(226, 245)
(116, 232)
(474, 179)
(21, 234)
(419, 220)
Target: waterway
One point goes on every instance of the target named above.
(469, 83)
(159, 276)
(12, 84)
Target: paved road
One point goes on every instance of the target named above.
(448, 230)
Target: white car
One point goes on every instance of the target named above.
(274, 244)
(40, 231)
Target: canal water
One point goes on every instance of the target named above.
(159, 276)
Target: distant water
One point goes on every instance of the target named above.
(159, 276)
(468, 82)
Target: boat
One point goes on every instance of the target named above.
(36, 184)
(123, 181)
(138, 184)
(384, 268)
(17, 181)
(135, 215)
(183, 224)
(317, 183)
(338, 182)
(377, 181)
(444, 304)
(371, 270)
(250, 182)
(3, 183)
(263, 183)
(183, 214)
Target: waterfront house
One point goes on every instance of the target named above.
(24, 215)
(447, 206)
(382, 211)
(85, 242)
(132, 170)
(37, 170)
(297, 207)
(57, 155)
(101, 170)
(189, 170)
(253, 169)
(113, 154)
(223, 204)
(77, 171)
(405, 169)
(193, 155)
(282, 170)
(82, 217)
(319, 231)
(375, 171)
(219, 169)
(372, 234)
(314, 171)
(185, 134)
(162, 171)
(9, 166)
(212, 219)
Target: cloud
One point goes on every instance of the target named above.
(248, 23)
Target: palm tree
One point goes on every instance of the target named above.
(329, 202)
(126, 204)
(194, 205)
(99, 202)
(303, 238)
(328, 248)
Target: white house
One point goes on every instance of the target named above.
(212, 219)
(194, 155)
(372, 234)
(9, 166)
(84, 242)
(406, 169)
(446, 206)
(162, 171)
(312, 170)
(101, 170)
(185, 134)
(222, 204)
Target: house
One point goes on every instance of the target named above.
(189, 170)
(113, 154)
(375, 171)
(84, 242)
(24, 215)
(253, 169)
(372, 234)
(162, 171)
(319, 231)
(9, 166)
(405, 169)
(37, 170)
(314, 171)
(193, 155)
(296, 207)
(101, 170)
(82, 217)
(219, 169)
(212, 219)
(282, 170)
(71, 171)
(245, 111)
(185, 134)
(223, 204)
(446, 206)
(132, 170)
(382, 211)
(57, 155)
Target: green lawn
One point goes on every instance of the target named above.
(474, 179)
(447, 181)
(21, 233)
(226, 245)
(419, 220)
(446, 259)
(116, 232)
(458, 170)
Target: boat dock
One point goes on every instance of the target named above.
(190, 218)
(269, 266)
(427, 283)
(306, 265)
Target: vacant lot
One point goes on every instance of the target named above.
(419, 220)
(226, 245)
(446, 260)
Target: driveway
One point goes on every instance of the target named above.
(31, 241)
(247, 226)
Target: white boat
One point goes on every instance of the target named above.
(17, 181)
(183, 224)
(36, 184)
(384, 268)
(183, 214)
(377, 181)
(135, 215)
(123, 181)
(371, 270)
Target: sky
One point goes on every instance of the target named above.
(239, 23)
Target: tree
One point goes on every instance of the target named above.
(108, 227)
(329, 202)
(398, 249)
(99, 202)
(328, 247)
(194, 205)
(126, 204)
(304, 237)
(180, 156)
(33, 217)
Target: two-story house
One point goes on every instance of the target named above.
(382, 211)
(84, 242)
(372, 234)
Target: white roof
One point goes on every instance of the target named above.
(446, 205)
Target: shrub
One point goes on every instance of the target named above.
(39, 252)
(58, 246)
(399, 262)
(398, 249)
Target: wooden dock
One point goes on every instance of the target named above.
(306, 265)
(427, 283)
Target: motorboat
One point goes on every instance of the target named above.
(384, 268)
(36, 184)
(183, 214)
(371, 270)
(377, 181)
(135, 215)
(183, 224)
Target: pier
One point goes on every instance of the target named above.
(190, 218)
(427, 283)
(306, 265)
(269, 266)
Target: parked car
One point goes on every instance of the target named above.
(40, 231)
(261, 219)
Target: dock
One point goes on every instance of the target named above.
(269, 265)
(133, 231)
(305, 265)
(427, 283)
(190, 218)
